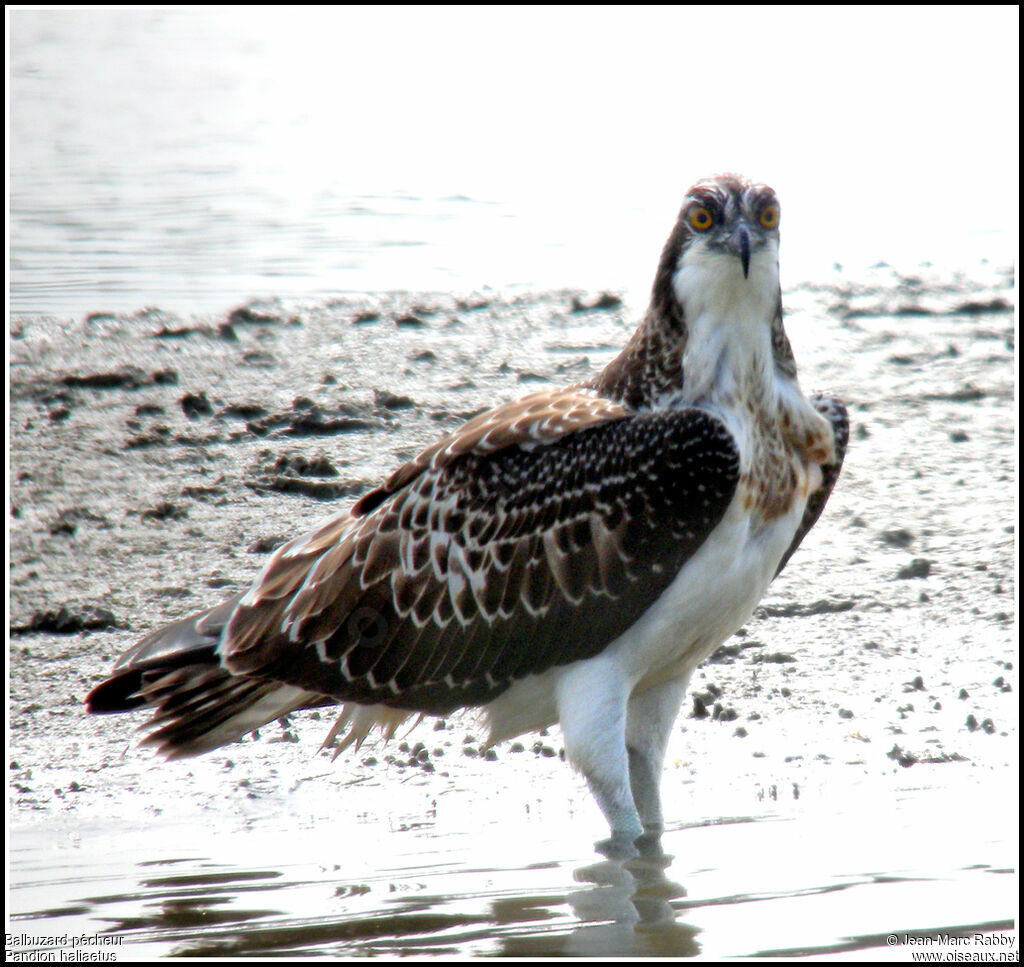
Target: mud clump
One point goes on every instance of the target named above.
(69, 619)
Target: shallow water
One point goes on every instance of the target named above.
(834, 877)
(192, 159)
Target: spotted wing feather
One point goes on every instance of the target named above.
(535, 418)
(489, 564)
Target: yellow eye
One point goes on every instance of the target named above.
(701, 220)
(769, 217)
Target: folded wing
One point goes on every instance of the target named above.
(489, 566)
(534, 536)
(835, 412)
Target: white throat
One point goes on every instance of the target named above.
(729, 324)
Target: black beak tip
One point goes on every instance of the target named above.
(743, 244)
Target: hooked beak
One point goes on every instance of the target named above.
(739, 245)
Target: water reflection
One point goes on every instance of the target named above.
(771, 885)
(618, 908)
(629, 908)
(202, 909)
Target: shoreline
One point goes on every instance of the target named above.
(868, 706)
(153, 466)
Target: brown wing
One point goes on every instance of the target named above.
(835, 412)
(533, 537)
(535, 418)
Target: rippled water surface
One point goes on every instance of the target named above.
(782, 881)
(193, 159)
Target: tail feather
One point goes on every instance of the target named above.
(199, 710)
(130, 688)
(187, 691)
(241, 707)
(186, 644)
(197, 704)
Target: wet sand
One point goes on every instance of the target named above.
(859, 731)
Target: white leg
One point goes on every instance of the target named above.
(591, 699)
(649, 719)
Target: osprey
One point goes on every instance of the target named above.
(570, 557)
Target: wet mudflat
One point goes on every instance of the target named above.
(844, 770)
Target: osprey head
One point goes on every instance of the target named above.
(729, 216)
(728, 228)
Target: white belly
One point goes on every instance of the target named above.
(709, 600)
(711, 597)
